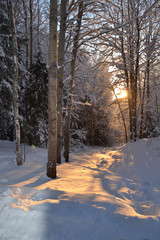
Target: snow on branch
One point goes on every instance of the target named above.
(81, 103)
(108, 30)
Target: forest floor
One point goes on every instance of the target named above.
(102, 194)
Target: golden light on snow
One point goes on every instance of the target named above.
(87, 179)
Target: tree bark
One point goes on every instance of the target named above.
(73, 64)
(131, 71)
(60, 78)
(142, 109)
(38, 27)
(52, 98)
(122, 116)
(126, 75)
(26, 30)
(134, 67)
(31, 32)
(136, 78)
(15, 84)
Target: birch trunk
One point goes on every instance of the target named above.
(73, 64)
(15, 84)
(60, 78)
(52, 95)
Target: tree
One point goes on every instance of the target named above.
(121, 36)
(72, 73)
(39, 99)
(15, 84)
(52, 95)
(61, 48)
(6, 80)
(123, 48)
(31, 31)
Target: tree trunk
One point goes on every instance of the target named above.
(38, 28)
(130, 75)
(157, 109)
(126, 76)
(52, 98)
(73, 64)
(60, 78)
(0, 11)
(136, 79)
(26, 30)
(92, 126)
(146, 81)
(31, 32)
(142, 109)
(123, 119)
(15, 84)
(134, 66)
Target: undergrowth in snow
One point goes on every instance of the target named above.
(102, 194)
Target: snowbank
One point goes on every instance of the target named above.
(102, 194)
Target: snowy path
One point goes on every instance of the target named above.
(102, 194)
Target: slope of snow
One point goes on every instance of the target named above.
(102, 194)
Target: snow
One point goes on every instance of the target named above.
(2, 54)
(102, 194)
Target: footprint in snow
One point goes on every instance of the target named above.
(116, 156)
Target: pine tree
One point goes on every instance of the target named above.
(38, 100)
(6, 80)
(15, 84)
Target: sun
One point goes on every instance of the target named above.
(120, 94)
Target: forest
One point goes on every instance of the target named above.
(78, 72)
(79, 119)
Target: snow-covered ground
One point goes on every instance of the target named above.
(102, 194)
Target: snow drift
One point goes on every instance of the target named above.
(102, 194)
